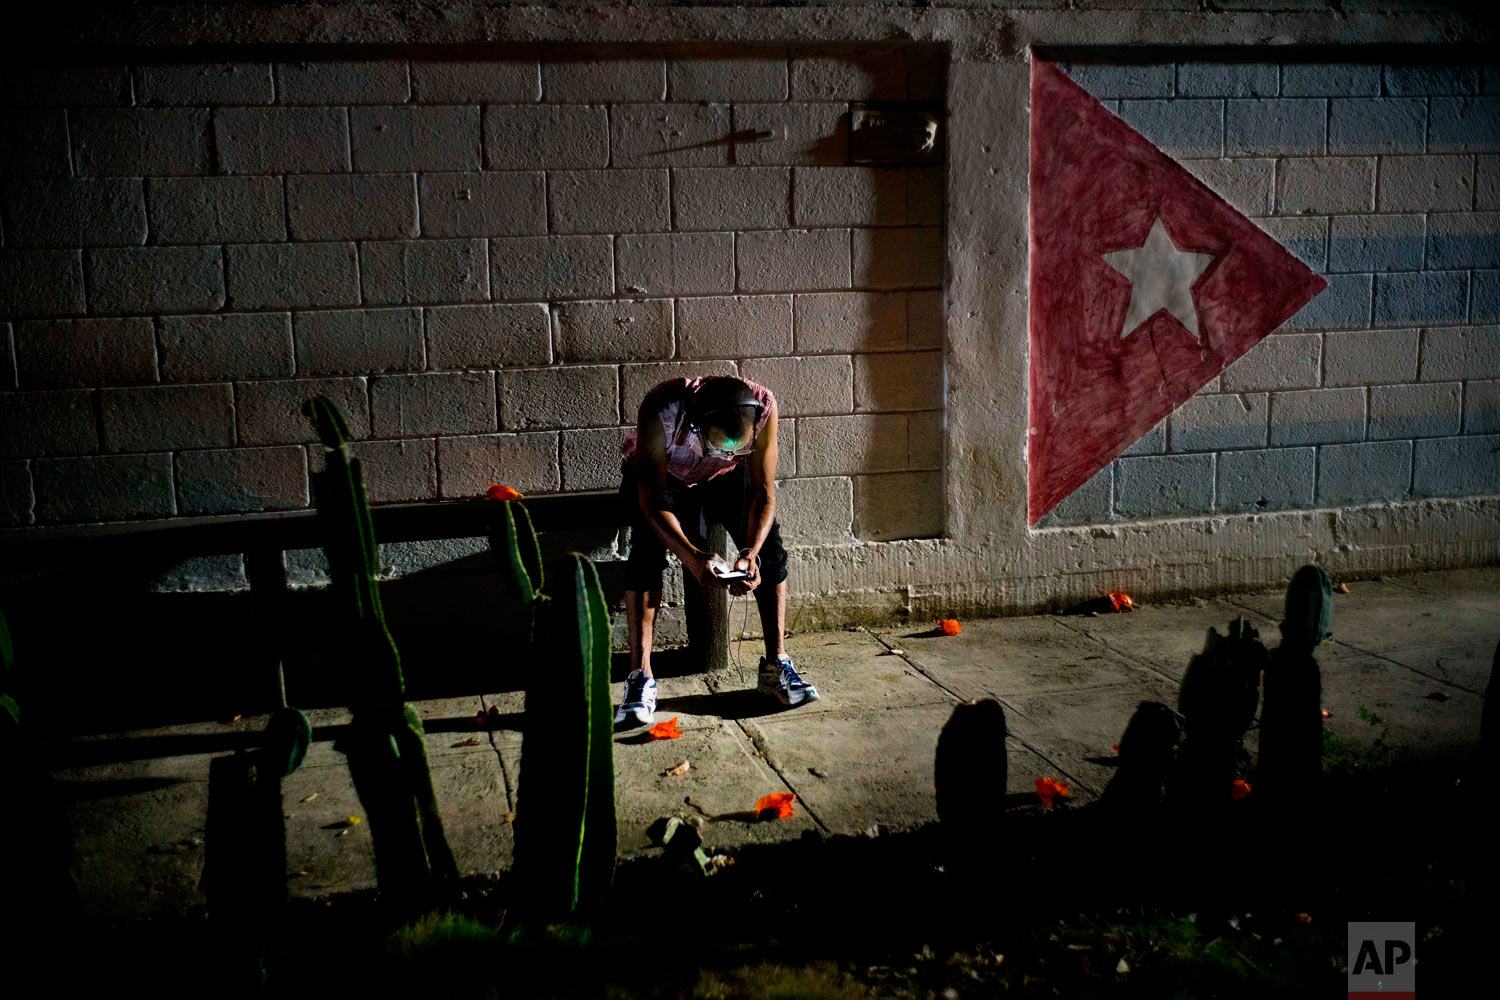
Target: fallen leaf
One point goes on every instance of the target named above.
(1050, 788)
(510, 817)
(950, 626)
(1305, 918)
(894, 652)
(665, 730)
(682, 768)
(817, 772)
(833, 643)
(777, 805)
(472, 741)
(498, 492)
(309, 798)
(1240, 790)
(1122, 967)
(1341, 588)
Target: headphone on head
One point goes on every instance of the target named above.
(719, 395)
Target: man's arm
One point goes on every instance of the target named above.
(761, 509)
(651, 490)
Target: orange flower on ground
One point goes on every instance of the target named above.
(1326, 714)
(664, 730)
(1048, 789)
(1115, 747)
(1240, 790)
(777, 805)
(950, 626)
(498, 492)
(1122, 602)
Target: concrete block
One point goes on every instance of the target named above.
(488, 81)
(551, 267)
(1109, 81)
(1406, 299)
(1305, 236)
(1163, 485)
(424, 271)
(1317, 416)
(1285, 361)
(102, 212)
(242, 480)
(522, 136)
(1211, 423)
(1376, 243)
(1463, 125)
(572, 396)
(508, 203)
(1266, 479)
(1091, 503)
(1330, 80)
(488, 336)
(1426, 80)
(17, 501)
(622, 330)
(909, 380)
(1425, 183)
(898, 505)
(1432, 409)
(603, 78)
(216, 209)
(849, 196)
(1362, 473)
(437, 137)
(1246, 183)
(798, 134)
(793, 260)
(352, 206)
(844, 322)
(1180, 128)
(433, 403)
(373, 81)
(1482, 407)
(786, 447)
(1343, 304)
(1466, 239)
(281, 140)
(292, 275)
(668, 135)
(1457, 466)
(103, 488)
(731, 198)
(1465, 352)
(591, 458)
(747, 78)
(1153, 442)
(1484, 296)
(165, 417)
(357, 341)
(1325, 184)
(1228, 79)
(734, 326)
(47, 423)
(395, 471)
(228, 346)
(608, 201)
(1487, 183)
(41, 283)
(270, 412)
(675, 263)
(815, 510)
(526, 462)
(844, 445)
(1369, 357)
(637, 380)
(805, 386)
(897, 258)
(197, 84)
(1275, 127)
(33, 83)
(45, 152)
(859, 76)
(155, 279)
(56, 354)
(924, 319)
(1377, 125)
(137, 142)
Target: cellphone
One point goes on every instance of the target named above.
(731, 574)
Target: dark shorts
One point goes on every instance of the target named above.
(721, 500)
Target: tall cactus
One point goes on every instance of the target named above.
(1291, 723)
(1218, 698)
(969, 775)
(385, 749)
(566, 832)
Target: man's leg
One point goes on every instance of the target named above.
(640, 619)
(771, 602)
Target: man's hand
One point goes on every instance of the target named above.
(701, 571)
(748, 562)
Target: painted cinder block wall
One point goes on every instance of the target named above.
(881, 303)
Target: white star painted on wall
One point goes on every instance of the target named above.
(1161, 277)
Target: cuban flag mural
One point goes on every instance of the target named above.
(1145, 285)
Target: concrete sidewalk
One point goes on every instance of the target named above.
(1415, 650)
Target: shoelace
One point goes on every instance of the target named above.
(635, 689)
(789, 675)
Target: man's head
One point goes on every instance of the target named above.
(723, 413)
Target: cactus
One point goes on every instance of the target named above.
(517, 554)
(969, 774)
(1148, 750)
(1218, 700)
(1291, 723)
(387, 757)
(566, 834)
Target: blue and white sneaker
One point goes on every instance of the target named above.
(779, 679)
(639, 701)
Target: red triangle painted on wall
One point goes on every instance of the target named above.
(1098, 186)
